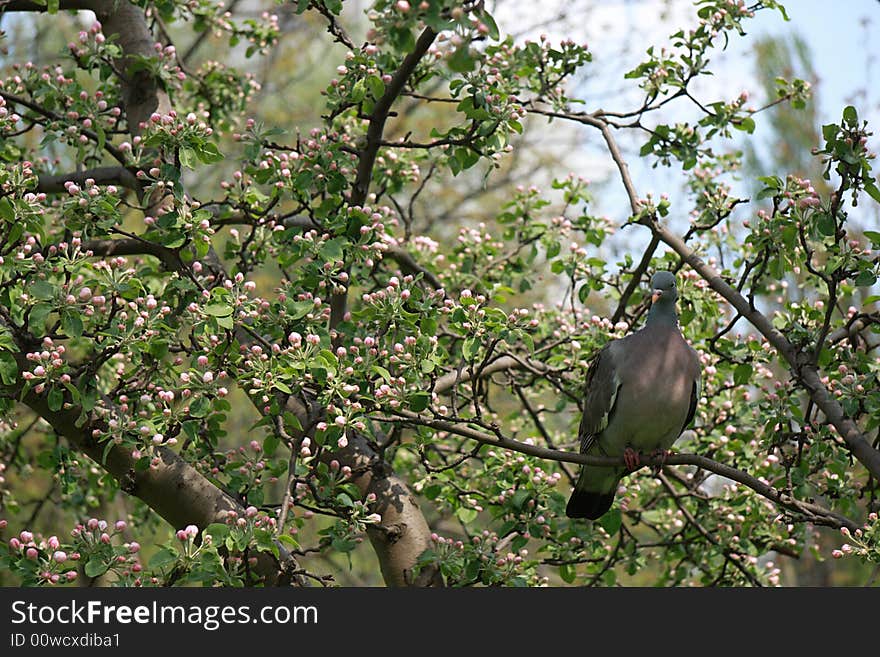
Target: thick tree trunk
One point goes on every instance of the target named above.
(174, 489)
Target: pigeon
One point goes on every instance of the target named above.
(641, 394)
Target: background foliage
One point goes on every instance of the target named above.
(276, 278)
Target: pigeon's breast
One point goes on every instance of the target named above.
(655, 397)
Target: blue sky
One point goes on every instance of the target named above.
(843, 38)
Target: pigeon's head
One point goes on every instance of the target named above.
(663, 290)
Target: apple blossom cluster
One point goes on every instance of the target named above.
(224, 93)
(92, 49)
(8, 119)
(5, 492)
(94, 548)
(485, 559)
(672, 69)
(522, 499)
(395, 20)
(711, 193)
(166, 66)
(189, 136)
(260, 33)
(539, 69)
(79, 116)
(91, 208)
(360, 81)
(863, 542)
(322, 163)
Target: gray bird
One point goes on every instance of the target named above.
(641, 394)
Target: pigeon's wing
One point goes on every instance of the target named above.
(696, 391)
(600, 396)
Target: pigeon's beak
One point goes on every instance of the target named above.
(656, 295)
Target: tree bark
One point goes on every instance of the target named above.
(175, 490)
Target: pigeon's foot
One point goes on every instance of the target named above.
(659, 455)
(632, 459)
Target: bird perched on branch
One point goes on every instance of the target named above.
(641, 394)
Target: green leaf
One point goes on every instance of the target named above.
(467, 516)
(826, 225)
(432, 491)
(200, 407)
(289, 541)
(494, 32)
(358, 91)
(746, 124)
(866, 278)
(95, 567)
(872, 190)
(742, 374)
(376, 86)
(217, 530)
(7, 212)
(461, 60)
(850, 116)
(567, 572)
(829, 132)
(469, 348)
(8, 368)
(42, 290)
(331, 250)
(611, 521)
(583, 293)
(419, 401)
(218, 309)
(72, 324)
(162, 558)
(519, 498)
(874, 236)
(187, 158)
(343, 544)
(55, 399)
(209, 153)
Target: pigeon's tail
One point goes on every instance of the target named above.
(587, 504)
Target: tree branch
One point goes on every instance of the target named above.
(130, 246)
(816, 514)
(42, 111)
(54, 183)
(409, 265)
(503, 363)
(172, 488)
(367, 159)
(635, 279)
